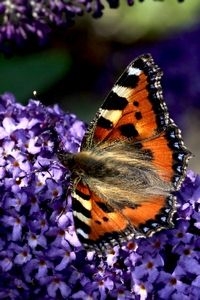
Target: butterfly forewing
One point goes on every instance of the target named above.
(133, 109)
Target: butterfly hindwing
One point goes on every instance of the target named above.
(99, 225)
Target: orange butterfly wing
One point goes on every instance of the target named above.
(133, 111)
(98, 224)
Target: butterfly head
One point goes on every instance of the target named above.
(67, 159)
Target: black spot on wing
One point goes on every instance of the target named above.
(138, 115)
(98, 222)
(104, 207)
(105, 219)
(104, 123)
(136, 103)
(129, 81)
(128, 130)
(114, 102)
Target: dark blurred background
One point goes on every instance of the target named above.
(79, 65)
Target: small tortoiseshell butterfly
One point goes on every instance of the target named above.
(131, 160)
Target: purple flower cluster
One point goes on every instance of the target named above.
(40, 255)
(20, 19)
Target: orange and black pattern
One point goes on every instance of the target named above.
(133, 120)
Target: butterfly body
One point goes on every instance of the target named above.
(131, 160)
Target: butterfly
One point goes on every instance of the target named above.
(131, 161)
